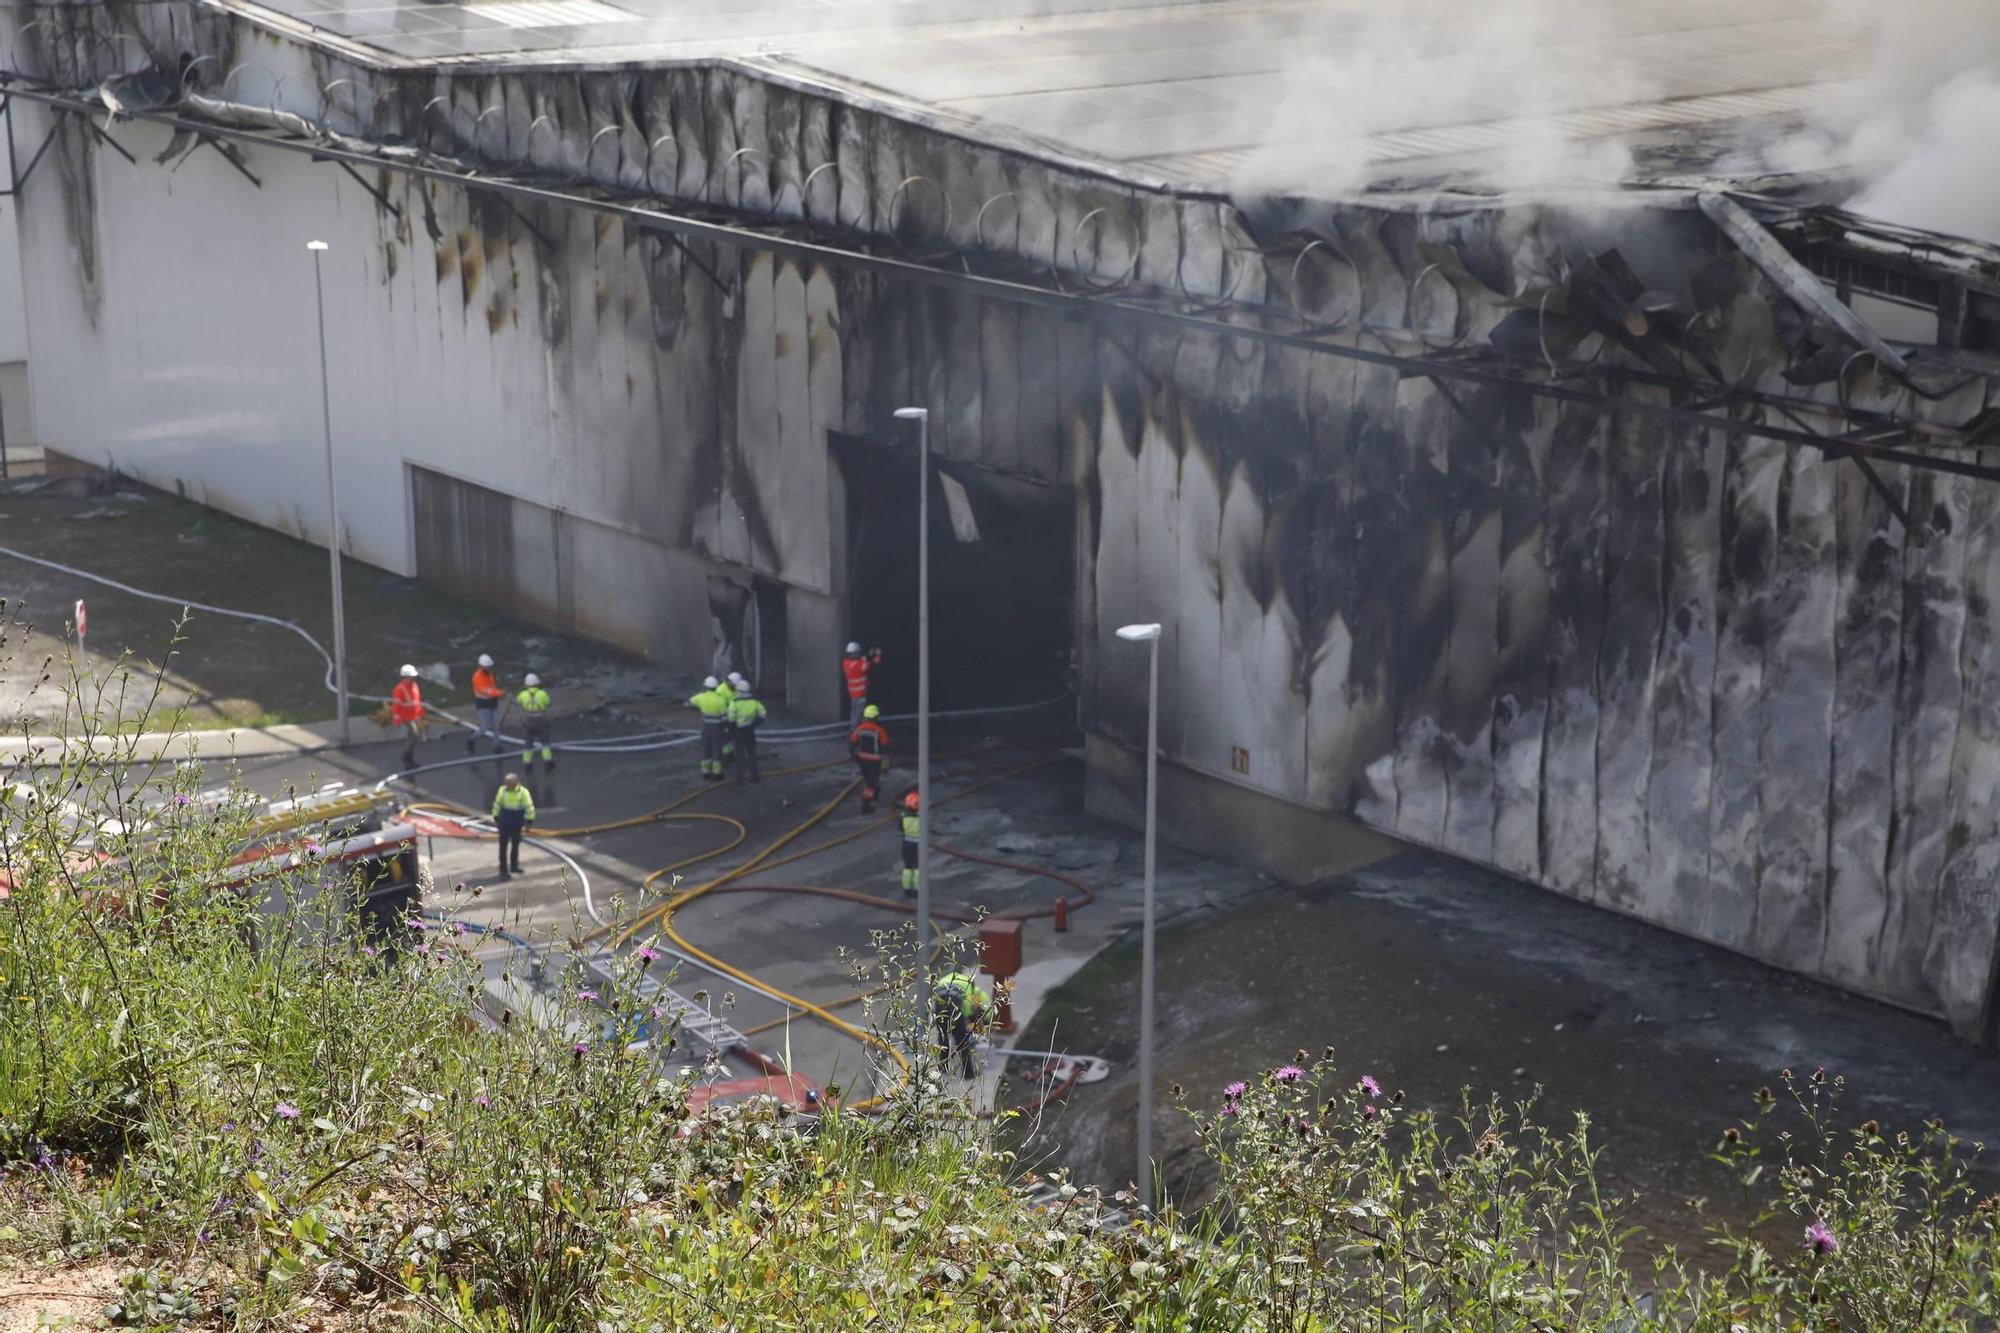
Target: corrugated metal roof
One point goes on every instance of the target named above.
(1211, 91)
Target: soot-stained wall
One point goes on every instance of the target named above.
(1709, 681)
(1712, 683)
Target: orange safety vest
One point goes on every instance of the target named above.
(485, 687)
(855, 667)
(869, 741)
(406, 702)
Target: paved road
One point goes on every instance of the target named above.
(802, 944)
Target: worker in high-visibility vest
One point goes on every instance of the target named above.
(854, 669)
(868, 743)
(714, 710)
(513, 811)
(486, 697)
(745, 712)
(957, 1005)
(913, 831)
(729, 687)
(534, 704)
(406, 710)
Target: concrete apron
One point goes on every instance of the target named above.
(791, 941)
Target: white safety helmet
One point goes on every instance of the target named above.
(531, 680)
(743, 688)
(407, 670)
(710, 683)
(736, 679)
(853, 647)
(485, 659)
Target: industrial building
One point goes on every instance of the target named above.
(1637, 539)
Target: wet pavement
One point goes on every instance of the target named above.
(1435, 976)
(1021, 804)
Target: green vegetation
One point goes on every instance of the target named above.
(273, 1119)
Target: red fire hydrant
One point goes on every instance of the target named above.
(1000, 958)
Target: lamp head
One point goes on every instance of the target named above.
(315, 245)
(1138, 633)
(912, 413)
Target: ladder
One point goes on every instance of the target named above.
(678, 1013)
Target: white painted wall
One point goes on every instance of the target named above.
(200, 366)
(15, 400)
(590, 372)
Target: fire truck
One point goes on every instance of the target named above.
(333, 841)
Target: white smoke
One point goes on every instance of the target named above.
(1922, 127)
(1356, 72)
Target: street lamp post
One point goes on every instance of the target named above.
(922, 417)
(1150, 635)
(318, 248)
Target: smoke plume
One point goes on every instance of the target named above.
(1357, 72)
(1922, 128)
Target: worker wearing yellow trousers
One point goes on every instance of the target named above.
(534, 705)
(714, 710)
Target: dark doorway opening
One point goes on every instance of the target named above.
(1002, 617)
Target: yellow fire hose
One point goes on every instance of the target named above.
(663, 914)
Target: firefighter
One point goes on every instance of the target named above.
(869, 744)
(729, 687)
(534, 702)
(745, 712)
(406, 710)
(957, 1004)
(913, 829)
(486, 697)
(714, 710)
(513, 811)
(854, 669)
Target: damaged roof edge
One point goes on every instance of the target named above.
(773, 69)
(1013, 290)
(1794, 279)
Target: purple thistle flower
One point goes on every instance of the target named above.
(460, 927)
(582, 1049)
(1236, 1089)
(1367, 1111)
(586, 995)
(1228, 1108)
(1370, 1086)
(367, 951)
(229, 1126)
(648, 954)
(1820, 1240)
(287, 1111)
(201, 1238)
(423, 950)
(182, 798)
(1289, 1074)
(418, 923)
(313, 848)
(480, 1100)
